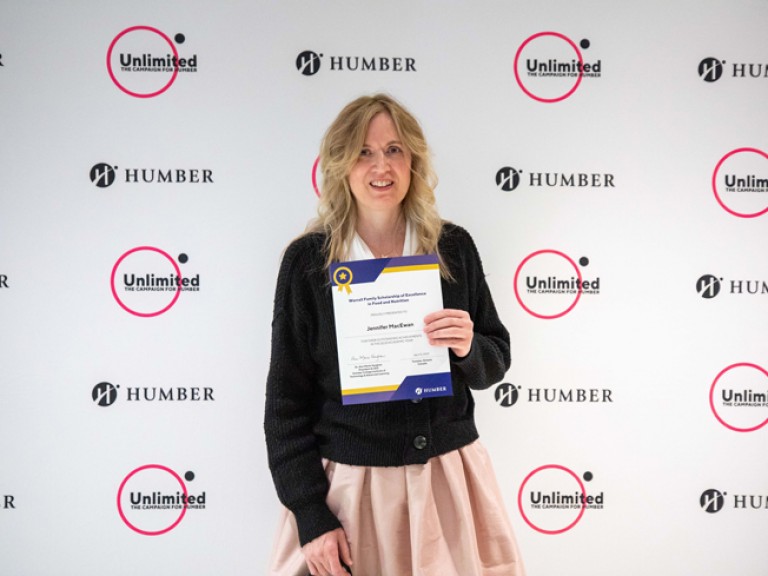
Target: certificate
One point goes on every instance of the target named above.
(379, 307)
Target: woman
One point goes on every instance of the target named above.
(393, 488)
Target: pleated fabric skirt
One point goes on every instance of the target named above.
(442, 518)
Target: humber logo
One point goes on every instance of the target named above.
(507, 179)
(104, 394)
(708, 286)
(506, 394)
(712, 500)
(308, 63)
(103, 175)
(711, 69)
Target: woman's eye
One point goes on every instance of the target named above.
(365, 152)
(394, 150)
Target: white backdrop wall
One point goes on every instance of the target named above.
(644, 391)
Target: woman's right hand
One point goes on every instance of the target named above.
(325, 553)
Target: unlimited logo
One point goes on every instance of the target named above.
(144, 62)
(553, 499)
(738, 397)
(147, 282)
(548, 283)
(153, 499)
(740, 182)
(549, 66)
(315, 184)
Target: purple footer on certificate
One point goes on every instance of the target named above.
(420, 386)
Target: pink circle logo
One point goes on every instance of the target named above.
(139, 62)
(315, 184)
(152, 500)
(151, 291)
(548, 284)
(552, 499)
(738, 397)
(549, 67)
(740, 182)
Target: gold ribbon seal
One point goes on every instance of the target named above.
(343, 278)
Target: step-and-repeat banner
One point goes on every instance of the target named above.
(610, 160)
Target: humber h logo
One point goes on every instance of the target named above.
(506, 394)
(708, 286)
(103, 175)
(710, 69)
(712, 500)
(104, 394)
(308, 63)
(507, 179)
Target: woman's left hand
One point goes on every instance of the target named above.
(452, 328)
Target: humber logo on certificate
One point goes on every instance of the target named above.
(379, 306)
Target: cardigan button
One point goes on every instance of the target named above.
(420, 442)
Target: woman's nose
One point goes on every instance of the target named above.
(380, 159)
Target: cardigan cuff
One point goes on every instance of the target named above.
(464, 362)
(314, 519)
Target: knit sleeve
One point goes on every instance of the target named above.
(291, 405)
(489, 358)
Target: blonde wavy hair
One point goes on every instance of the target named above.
(340, 150)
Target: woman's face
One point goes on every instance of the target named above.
(382, 174)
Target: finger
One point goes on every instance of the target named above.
(448, 322)
(447, 317)
(331, 547)
(346, 554)
(457, 339)
(314, 553)
(447, 339)
(439, 330)
(319, 568)
(445, 313)
(451, 333)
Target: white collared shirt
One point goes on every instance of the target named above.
(359, 249)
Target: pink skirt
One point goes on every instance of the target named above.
(442, 518)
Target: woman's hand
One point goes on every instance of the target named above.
(452, 328)
(325, 553)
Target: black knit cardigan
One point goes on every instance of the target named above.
(305, 420)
